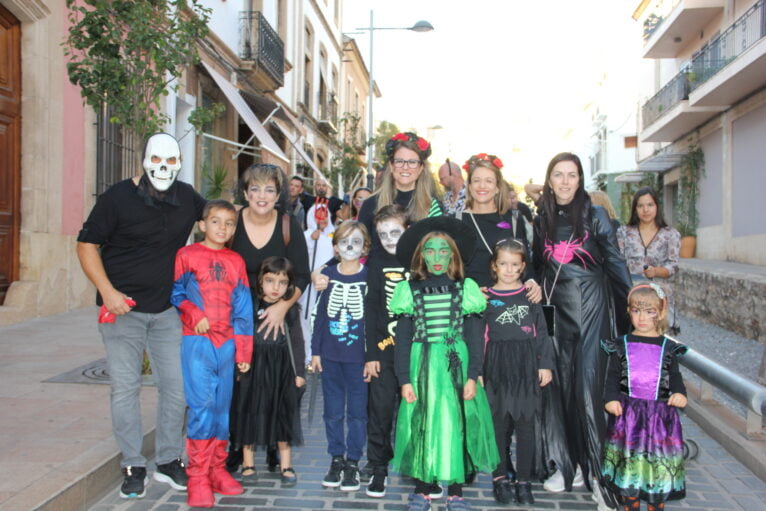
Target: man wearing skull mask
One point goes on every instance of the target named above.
(127, 248)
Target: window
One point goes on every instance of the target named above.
(631, 142)
(118, 151)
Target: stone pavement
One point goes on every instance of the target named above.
(715, 481)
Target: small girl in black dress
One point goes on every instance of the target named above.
(266, 401)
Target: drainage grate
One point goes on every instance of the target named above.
(93, 372)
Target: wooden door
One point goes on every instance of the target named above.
(10, 148)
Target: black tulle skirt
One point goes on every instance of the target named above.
(266, 403)
(511, 380)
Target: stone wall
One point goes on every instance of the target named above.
(729, 295)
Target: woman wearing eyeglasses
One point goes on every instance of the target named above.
(407, 182)
(262, 231)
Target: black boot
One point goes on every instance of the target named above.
(501, 489)
(524, 493)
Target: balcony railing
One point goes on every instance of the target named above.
(675, 91)
(733, 42)
(655, 19)
(260, 43)
(328, 108)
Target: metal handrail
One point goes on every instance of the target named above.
(259, 42)
(747, 392)
(672, 93)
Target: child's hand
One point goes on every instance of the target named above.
(243, 367)
(614, 407)
(545, 376)
(678, 400)
(484, 292)
(202, 327)
(316, 364)
(469, 389)
(408, 393)
(299, 382)
(534, 292)
(371, 370)
(319, 280)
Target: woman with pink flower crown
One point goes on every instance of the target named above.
(585, 284)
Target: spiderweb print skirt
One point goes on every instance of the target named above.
(643, 452)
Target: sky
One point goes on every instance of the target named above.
(507, 77)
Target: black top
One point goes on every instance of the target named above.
(617, 373)
(524, 210)
(297, 345)
(384, 272)
(367, 216)
(490, 226)
(139, 236)
(296, 251)
(333, 204)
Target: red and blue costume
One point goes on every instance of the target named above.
(211, 284)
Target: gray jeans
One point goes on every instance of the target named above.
(126, 340)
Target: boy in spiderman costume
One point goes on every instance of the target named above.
(212, 295)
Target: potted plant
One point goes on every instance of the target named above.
(687, 213)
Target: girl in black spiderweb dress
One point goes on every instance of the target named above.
(518, 362)
(265, 407)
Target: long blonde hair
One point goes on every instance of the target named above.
(599, 198)
(502, 202)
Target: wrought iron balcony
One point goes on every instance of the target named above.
(260, 43)
(730, 44)
(328, 112)
(675, 91)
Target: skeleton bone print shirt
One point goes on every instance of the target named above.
(338, 332)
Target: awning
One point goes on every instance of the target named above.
(301, 152)
(247, 114)
(263, 107)
(660, 162)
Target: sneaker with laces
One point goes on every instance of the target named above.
(350, 480)
(524, 493)
(555, 483)
(502, 491)
(134, 483)
(365, 474)
(332, 478)
(173, 473)
(377, 486)
(436, 491)
(455, 503)
(418, 502)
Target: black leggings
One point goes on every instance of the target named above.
(525, 445)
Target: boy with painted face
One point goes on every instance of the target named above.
(384, 272)
(444, 430)
(337, 349)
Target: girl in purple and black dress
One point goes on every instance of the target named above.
(643, 451)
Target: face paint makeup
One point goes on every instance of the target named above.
(350, 248)
(389, 232)
(437, 255)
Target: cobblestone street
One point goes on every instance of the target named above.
(715, 481)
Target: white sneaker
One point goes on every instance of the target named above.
(555, 483)
(578, 480)
(598, 498)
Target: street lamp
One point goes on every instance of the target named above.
(420, 26)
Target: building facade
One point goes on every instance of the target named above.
(707, 89)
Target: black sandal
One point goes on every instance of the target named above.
(249, 477)
(289, 478)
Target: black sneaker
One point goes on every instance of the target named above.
(350, 480)
(501, 489)
(435, 491)
(524, 493)
(173, 473)
(365, 474)
(332, 478)
(377, 486)
(134, 484)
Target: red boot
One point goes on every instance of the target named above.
(199, 489)
(220, 478)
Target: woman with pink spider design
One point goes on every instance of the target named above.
(585, 286)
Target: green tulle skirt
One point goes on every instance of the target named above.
(432, 440)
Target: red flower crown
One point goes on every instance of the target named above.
(476, 158)
(422, 143)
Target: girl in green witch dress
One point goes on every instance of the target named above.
(444, 431)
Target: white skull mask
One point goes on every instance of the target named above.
(389, 233)
(351, 247)
(162, 161)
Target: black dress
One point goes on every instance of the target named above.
(266, 403)
(590, 297)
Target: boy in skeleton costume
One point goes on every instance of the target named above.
(127, 248)
(384, 272)
(337, 348)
